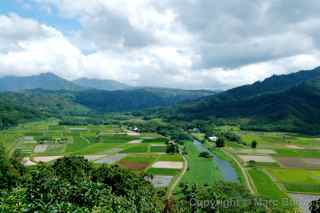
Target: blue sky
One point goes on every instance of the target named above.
(29, 9)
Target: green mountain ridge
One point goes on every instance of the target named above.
(292, 105)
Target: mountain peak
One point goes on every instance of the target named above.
(46, 81)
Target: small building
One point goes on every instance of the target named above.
(213, 138)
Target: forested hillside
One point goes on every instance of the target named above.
(287, 102)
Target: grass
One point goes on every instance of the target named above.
(200, 170)
(158, 149)
(78, 144)
(25, 148)
(96, 148)
(156, 171)
(266, 164)
(117, 138)
(136, 149)
(298, 180)
(265, 185)
(9, 140)
(34, 134)
(199, 136)
(280, 139)
(140, 159)
(155, 140)
(170, 157)
(298, 153)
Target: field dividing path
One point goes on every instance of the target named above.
(174, 185)
(245, 174)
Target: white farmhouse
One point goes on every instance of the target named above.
(213, 138)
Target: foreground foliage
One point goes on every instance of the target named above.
(72, 184)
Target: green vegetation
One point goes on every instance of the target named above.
(155, 140)
(171, 157)
(136, 149)
(265, 186)
(205, 154)
(298, 180)
(158, 149)
(172, 148)
(77, 144)
(74, 185)
(116, 138)
(254, 144)
(223, 197)
(200, 170)
(298, 153)
(140, 159)
(156, 171)
(96, 148)
(292, 106)
(286, 103)
(220, 142)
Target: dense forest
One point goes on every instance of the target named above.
(287, 103)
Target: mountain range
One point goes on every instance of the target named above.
(282, 102)
(286, 102)
(44, 95)
(47, 81)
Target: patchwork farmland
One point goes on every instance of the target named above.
(284, 166)
(45, 142)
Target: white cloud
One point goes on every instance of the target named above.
(189, 44)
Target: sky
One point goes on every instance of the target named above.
(189, 44)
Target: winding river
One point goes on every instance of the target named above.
(227, 171)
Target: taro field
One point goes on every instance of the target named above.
(143, 153)
(283, 166)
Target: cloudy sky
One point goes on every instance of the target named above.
(188, 44)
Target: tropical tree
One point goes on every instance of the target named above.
(254, 144)
(220, 142)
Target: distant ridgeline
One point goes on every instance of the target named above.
(285, 102)
(45, 95)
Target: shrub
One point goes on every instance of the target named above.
(254, 144)
(205, 155)
(220, 142)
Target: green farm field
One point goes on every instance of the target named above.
(264, 185)
(298, 180)
(200, 170)
(280, 140)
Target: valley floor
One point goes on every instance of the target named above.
(284, 167)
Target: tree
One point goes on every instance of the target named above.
(254, 144)
(72, 168)
(314, 206)
(205, 154)
(172, 148)
(224, 197)
(220, 142)
(99, 189)
(8, 176)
